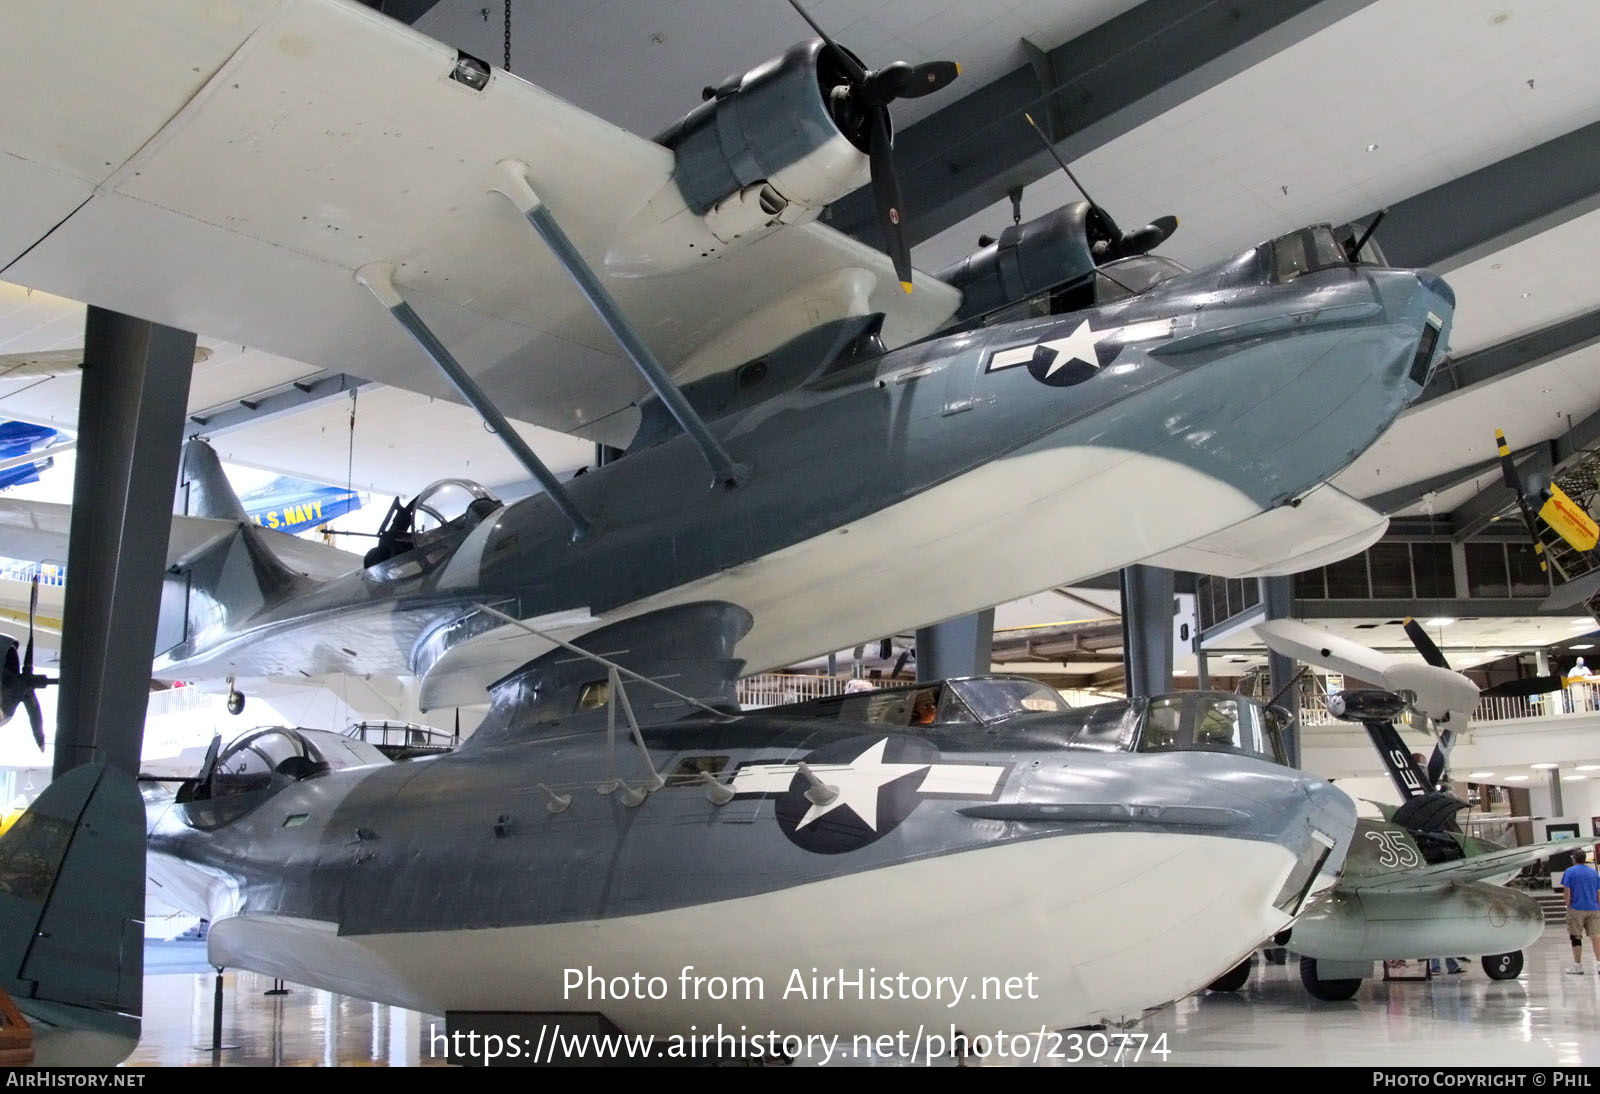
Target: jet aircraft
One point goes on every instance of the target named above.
(1057, 405)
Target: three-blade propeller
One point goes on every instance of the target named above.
(18, 683)
(861, 110)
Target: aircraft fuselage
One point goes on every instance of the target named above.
(477, 880)
(1004, 460)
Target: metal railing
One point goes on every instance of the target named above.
(50, 573)
(1575, 699)
(770, 689)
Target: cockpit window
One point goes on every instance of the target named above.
(451, 501)
(1205, 721)
(951, 702)
(993, 699)
(1305, 251)
(423, 532)
(1131, 276)
(249, 763)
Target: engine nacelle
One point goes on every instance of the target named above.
(764, 151)
(1038, 255)
(772, 127)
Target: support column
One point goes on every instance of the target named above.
(1277, 597)
(1558, 808)
(956, 647)
(1147, 593)
(130, 428)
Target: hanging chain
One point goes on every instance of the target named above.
(508, 35)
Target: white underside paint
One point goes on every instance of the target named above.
(1001, 531)
(1110, 924)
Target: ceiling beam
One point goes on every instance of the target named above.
(1496, 206)
(1402, 496)
(406, 11)
(277, 402)
(1109, 81)
(1485, 366)
(1512, 356)
(1474, 515)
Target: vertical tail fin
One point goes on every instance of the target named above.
(203, 488)
(239, 574)
(72, 917)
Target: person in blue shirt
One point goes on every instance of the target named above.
(1583, 908)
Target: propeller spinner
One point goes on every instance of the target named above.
(861, 110)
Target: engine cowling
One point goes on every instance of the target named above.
(765, 150)
(775, 127)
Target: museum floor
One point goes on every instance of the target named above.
(1545, 1017)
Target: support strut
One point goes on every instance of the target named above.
(378, 277)
(510, 179)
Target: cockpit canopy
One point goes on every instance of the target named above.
(416, 537)
(979, 700)
(1199, 721)
(262, 762)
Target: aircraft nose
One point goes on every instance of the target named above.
(1438, 286)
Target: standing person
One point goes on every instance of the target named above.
(1582, 886)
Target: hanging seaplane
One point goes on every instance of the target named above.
(1058, 404)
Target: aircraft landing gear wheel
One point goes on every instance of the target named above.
(235, 702)
(1234, 978)
(1503, 966)
(1328, 990)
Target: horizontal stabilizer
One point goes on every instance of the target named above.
(72, 917)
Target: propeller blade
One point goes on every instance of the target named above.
(30, 703)
(1508, 468)
(1522, 689)
(1441, 754)
(902, 81)
(1144, 240)
(1419, 638)
(33, 608)
(886, 193)
(851, 66)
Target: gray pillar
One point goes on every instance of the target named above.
(1558, 808)
(1277, 597)
(130, 428)
(1147, 593)
(956, 647)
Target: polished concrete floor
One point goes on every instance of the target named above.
(1544, 1017)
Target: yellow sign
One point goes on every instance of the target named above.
(1571, 522)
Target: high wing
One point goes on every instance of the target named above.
(1474, 868)
(226, 168)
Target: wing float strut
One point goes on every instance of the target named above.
(510, 179)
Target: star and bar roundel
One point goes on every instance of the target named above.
(880, 780)
(1078, 355)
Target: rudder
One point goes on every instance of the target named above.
(72, 917)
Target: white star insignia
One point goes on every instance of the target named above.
(858, 783)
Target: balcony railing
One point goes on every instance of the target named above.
(1576, 699)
